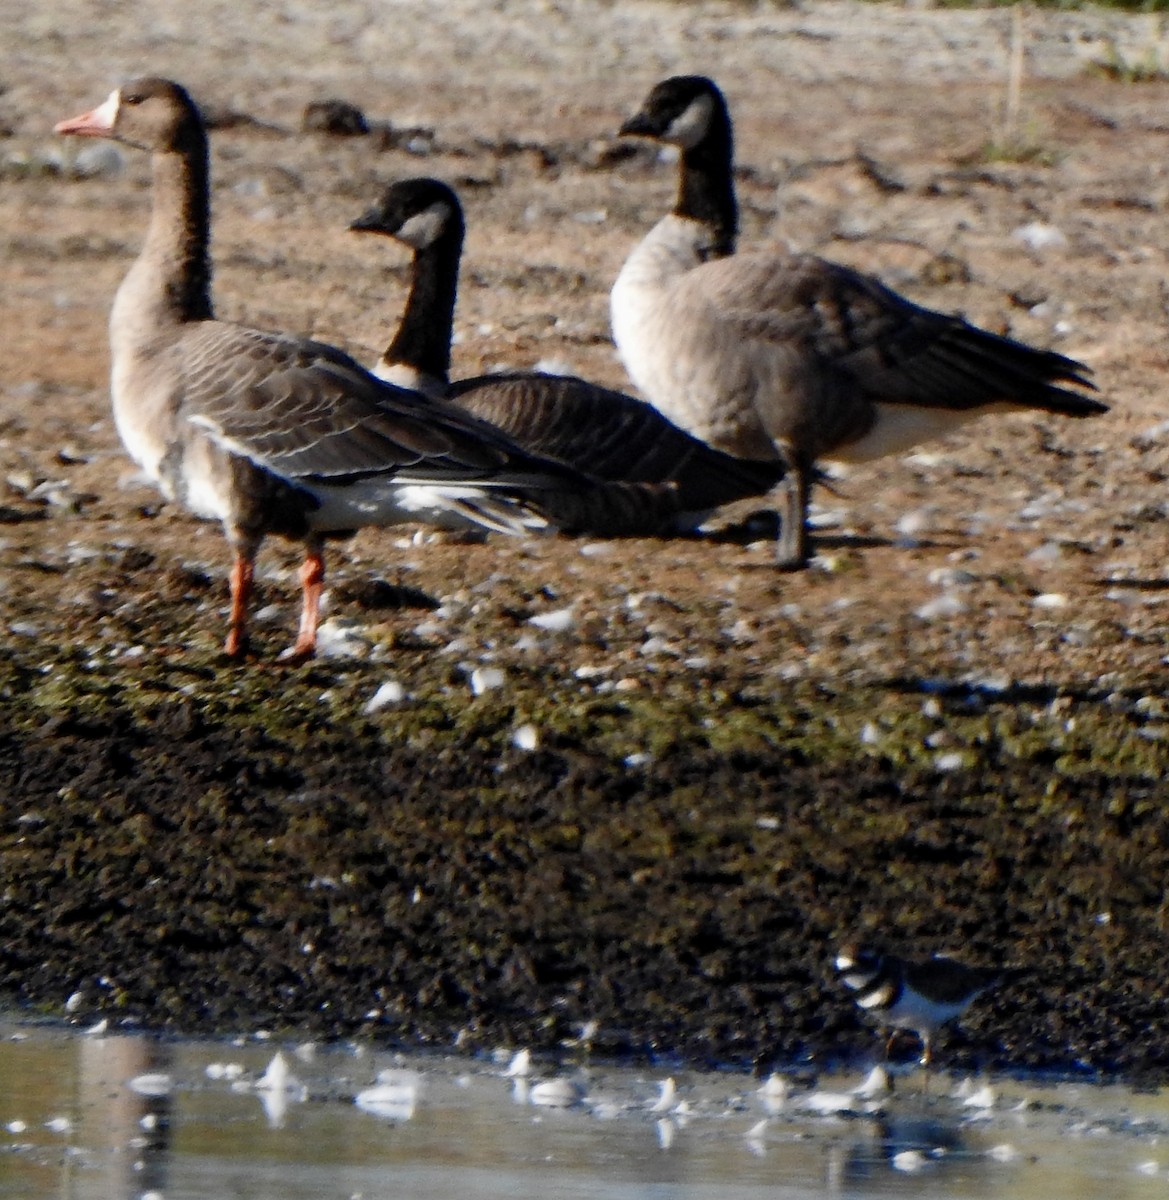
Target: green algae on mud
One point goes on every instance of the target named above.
(204, 847)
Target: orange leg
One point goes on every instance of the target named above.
(312, 578)
(242, 575)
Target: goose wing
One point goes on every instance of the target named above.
(846, 324)
(305, 410)
(616, 438)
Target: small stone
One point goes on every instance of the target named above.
(558, 621)
(390, 692)
(486, 679)
(336, 117)
(526, 737)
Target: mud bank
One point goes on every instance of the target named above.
(676, 867)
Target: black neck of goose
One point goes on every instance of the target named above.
(180, 230)
(707, 189)
(423, 339)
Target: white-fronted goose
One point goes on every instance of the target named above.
(773, 355)
(271, 433)
(656, 480)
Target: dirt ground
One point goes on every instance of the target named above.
(949, 733)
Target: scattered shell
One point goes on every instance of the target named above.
(941, 607)
(874, 1084)
(338, 638)
(526, 737)
(217, 1070)
(830, 1104)
(1004, 1152)
(153, 1084)
(278, 1078)
(521, 1064)
(390, 692)
(555, 1093)
(394, 1097)
(983, 1098)
(1150, 437)
(1050, 600)
(912, 523)
(954, 761)
(909, 1160)
(667, 1094)
(559, 621)
(1038, 235)
(485, 679)
(556, 366)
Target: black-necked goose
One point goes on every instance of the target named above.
(271, 433)
(773, 355)
(656, 479)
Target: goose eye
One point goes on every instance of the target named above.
(133, 98)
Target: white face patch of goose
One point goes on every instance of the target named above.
(106, 113)
(423, 228)
(688, 129)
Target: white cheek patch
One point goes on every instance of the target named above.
(422, 229)
(690, 128)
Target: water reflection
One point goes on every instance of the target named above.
(115, 1140)
(128, 1117)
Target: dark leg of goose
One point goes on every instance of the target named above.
(791, 553)
(242, 576)
(312, 579)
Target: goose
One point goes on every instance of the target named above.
(771, 355)
(271, 433)
(654, 479)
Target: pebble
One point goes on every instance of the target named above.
(941, 607)
(555, 1093)
(486, 679)
(526, 737)
(390, 692)
(559, 621)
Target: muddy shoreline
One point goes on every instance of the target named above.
(950, 733)
(420, 878)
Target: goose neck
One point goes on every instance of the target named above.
(423, 338)
(706, 191)
(177, 249)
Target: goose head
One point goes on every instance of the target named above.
(150, 113)
(681, 110)
(417, 212)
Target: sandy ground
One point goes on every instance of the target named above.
(1011, 577)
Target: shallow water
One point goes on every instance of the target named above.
(101, 1115)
